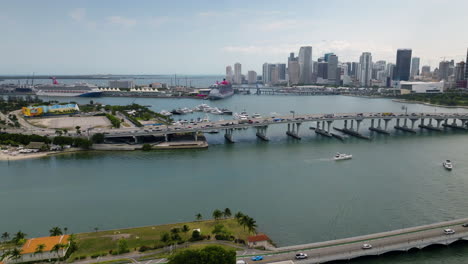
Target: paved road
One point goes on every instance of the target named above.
(398, 240)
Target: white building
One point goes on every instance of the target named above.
(30, 251)
(305, 65)
(237, 73)
(229, 74)
(421, 87)
(365, 69)
(251, 77)
(121, 84)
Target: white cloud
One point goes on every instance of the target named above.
(280, 25)
(157, 21)
(78, 14)
(122, 21)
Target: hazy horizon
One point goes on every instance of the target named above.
(54, 37)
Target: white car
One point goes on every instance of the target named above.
(449, 231)
(241, 262)
(301, 256)
(366, 246)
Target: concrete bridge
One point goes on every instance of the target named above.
(322, 124)
(349, 248)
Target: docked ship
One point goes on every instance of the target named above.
(221, 90)
(73, 90)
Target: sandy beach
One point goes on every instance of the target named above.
(25, 156)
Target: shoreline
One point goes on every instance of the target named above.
(428, 104)
(22, 156)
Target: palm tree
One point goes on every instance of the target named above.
(238, 216)
(96, 229)
(78, 129)
(16, 254)
(217, 214)
(39, 249)
(18, 237)
(65, 229)
(65, 131)
(185, 228)
(227, 213)
(5, 236)
(56, 248)
(251, 225)
(199, 217)
(55, 231)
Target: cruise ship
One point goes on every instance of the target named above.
(221, 90)
(74, 90)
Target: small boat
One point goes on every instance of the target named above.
(256, 115)
(177, 112)
(165, 113)
(342, 156)
(226, 111)
(447, 165)
(214, 131)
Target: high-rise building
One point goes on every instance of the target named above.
(305, 65)
(403, 65)
(466, 69)
(354, 71)
(251, 77)
(327, 56)
(332, 68)
(229, 73)
(322, 70)
(444, 70)
(293, 69)
(274, 73)
(350, 68)
(265, 73)
(237, 73)
(426, 70)
(460, 71)
(281, 71)
(365, 65)
(414, 66)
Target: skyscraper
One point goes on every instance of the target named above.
(251, 77)
(293, 69)
(403, 65)
(426, 70)
(326, 57)
(274, 73)
(460, 71)
(414, 66)
(322, 70)
(444, 70)
(466, 68)
(265, 73)
(305, 65)
(237, 73)
(229, 73)
(281, 71)
(332, 68)
(365, 65)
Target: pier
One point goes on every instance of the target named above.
(353, 123)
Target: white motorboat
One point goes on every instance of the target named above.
(342, 156)
(165, 113)
(256, 115)
(447, 165)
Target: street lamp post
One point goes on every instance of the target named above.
(293, 113)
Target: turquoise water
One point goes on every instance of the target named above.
(294, 190)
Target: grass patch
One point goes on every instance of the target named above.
(104, 241)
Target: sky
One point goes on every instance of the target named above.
(202, 37)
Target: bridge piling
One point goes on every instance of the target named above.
(294, 133)
(430, 126)
(261, 133)
(378, 129)
(405, 126)
(228, 135)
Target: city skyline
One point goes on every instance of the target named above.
(154, 37)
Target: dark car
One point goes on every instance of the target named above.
(465, 225)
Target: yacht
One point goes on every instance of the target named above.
(342, 156)
(165, 113)
(448, 165)
(256, 115)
